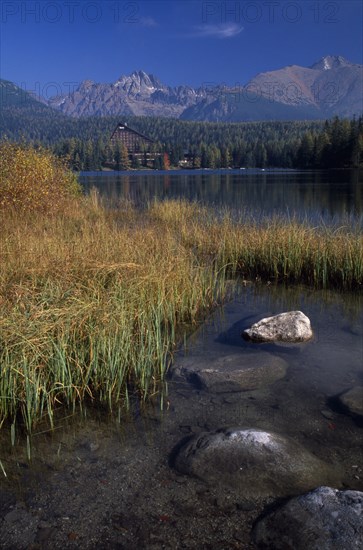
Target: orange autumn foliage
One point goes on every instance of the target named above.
(34, 179)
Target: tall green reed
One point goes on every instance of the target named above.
(94, 301)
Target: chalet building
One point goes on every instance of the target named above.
(141, 149)
(133, 140)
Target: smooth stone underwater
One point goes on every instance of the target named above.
(254, 462)
(325, 519)
(352, 400)
(232, 373)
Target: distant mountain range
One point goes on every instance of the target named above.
(332, 86)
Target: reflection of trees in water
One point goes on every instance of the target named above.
(315, 195)
(278, 297)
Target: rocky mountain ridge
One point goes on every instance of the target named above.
(331, 86)
(136, 94)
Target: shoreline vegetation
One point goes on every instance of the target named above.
(94, 300)
(311, 144)
(337, 143)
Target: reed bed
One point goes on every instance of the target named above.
(93, 301)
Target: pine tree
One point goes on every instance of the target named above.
(135, 164)
(125, 163)
(226, 158)
(305, 151)
(197, 162)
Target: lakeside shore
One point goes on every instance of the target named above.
(94, 301)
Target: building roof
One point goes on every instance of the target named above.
(124, 126)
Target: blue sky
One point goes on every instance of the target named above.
(51, 45)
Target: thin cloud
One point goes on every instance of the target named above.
(224, 30)
(148, 22)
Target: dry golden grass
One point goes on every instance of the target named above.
(90, 302)
(93, 301)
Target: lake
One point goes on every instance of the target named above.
(334, 197)
(98, 483)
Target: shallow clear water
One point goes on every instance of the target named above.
(95, 483)
(318, 370)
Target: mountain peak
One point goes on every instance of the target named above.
(140, 79)
(141, 74)
(331, 62)
(286, 93)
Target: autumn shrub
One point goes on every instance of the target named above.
(34, 179)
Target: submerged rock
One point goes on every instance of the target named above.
(352, 400)
(325, 519)
(233, 373)
(252, 461)
(292, 326)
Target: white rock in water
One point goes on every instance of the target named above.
(292, 326)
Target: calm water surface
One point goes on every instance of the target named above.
(334, 359)
(331, 196)
(84, 458)
(319, 370)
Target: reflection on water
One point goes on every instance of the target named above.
(332, 196)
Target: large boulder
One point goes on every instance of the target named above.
(252, 461)
(292, 326)
(325, 519)
(352, 401)
(232, 373)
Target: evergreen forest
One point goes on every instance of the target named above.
(336, 143)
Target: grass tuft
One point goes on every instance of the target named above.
(93, 301)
